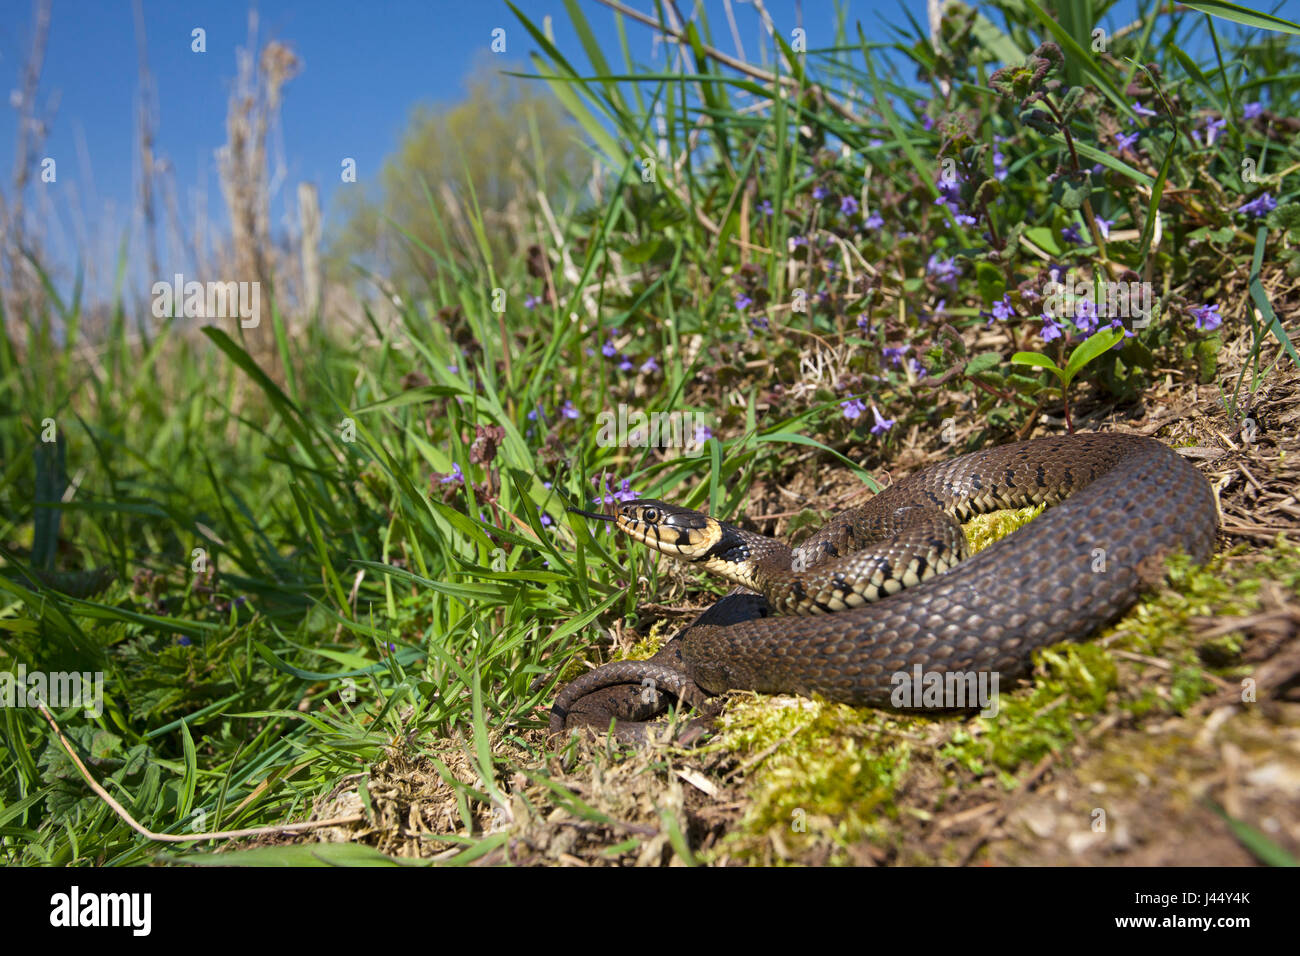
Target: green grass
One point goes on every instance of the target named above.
(351, 599)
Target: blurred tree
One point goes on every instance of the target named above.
(507, 139)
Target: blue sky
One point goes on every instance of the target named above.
(364, 66)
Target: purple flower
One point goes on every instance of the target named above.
(626, 365)
(874, 221)
(999, 165)
(864, 322)
(1103, 226)
(1118, 325)
(1251, 110)
(532, 302)
(1259, 207)
(608, 350)
(1212, 127)
(1141, 110)
(453, 369)
(568, 411)
(797, 241)
(183, 641)
(949, 192)
(944, 270)
(765, 207)
(848, 205)
(743, 301)
(895, 355)
(950, 198)
(546, 519)
(1050, 329)
(919, 370)
(649, 365)
(882, 424)
(702, 434)
(1126, 141)
(1071, 234)
(1085, 316)
(1003, 309)
(623, 494)
(455, 476)
(819, 193)
(759, 322)
(1207, 317)
(853, 408)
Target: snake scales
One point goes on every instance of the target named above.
(1121, 502)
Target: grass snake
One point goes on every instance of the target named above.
(881, 588)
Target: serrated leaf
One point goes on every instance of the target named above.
(984, 362)
(1073, 195)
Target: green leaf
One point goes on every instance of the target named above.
(797, 439)
(190, 781)
(1073, 195)
(1153, 207)
(1260, 297)
(298, 854)
(1264, 849)
(1042, 361)
(991, 282)
(411, 396)
(1251, 18)
(51, 480)
(984, 362)
(1085, 352)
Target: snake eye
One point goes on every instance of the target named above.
(650, 514)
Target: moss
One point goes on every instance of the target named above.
(827, 776)
(983, 530)
(648, 646)
(824, 777)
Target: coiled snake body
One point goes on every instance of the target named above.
(1122, 503)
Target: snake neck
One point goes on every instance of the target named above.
(737, 555)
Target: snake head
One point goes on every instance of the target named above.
(669, 528)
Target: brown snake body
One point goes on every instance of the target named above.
(1121, 504)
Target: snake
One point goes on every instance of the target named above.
(886, 587)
